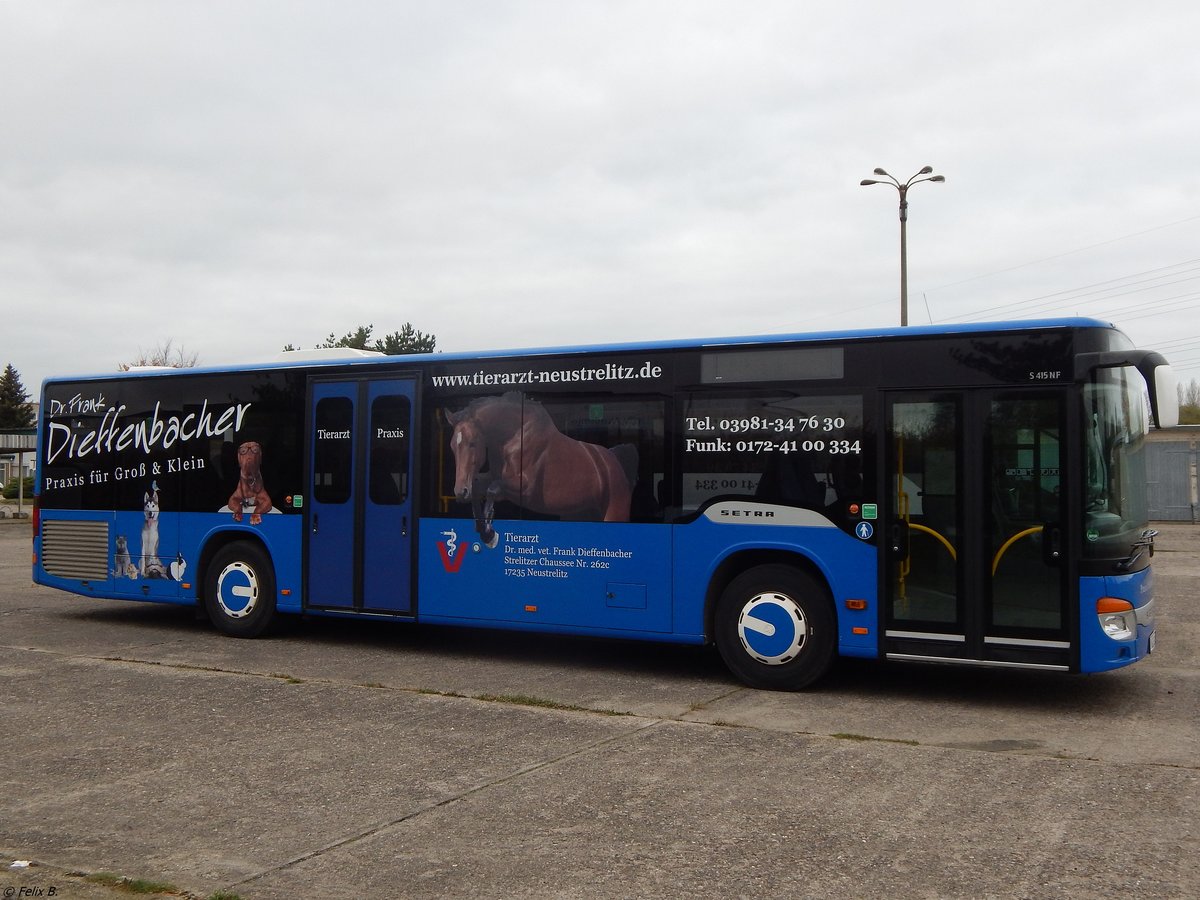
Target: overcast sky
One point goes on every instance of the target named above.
(235, 176)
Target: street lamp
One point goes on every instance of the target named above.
(903, 189)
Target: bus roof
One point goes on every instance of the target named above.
(351, 358)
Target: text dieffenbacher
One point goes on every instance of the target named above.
(115, 433)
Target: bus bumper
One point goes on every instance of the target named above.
(1112, 640)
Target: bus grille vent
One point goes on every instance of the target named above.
(74, 549)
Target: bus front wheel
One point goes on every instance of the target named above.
(239, 590)
(774, 627)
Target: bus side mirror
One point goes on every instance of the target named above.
(1164, 395)
(1161, 383)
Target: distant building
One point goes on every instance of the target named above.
(17, 448)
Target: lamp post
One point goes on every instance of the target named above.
(903, 189)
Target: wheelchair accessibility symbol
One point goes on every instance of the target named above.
(864, 530)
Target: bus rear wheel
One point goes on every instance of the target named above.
(239, 590)
(774, 627)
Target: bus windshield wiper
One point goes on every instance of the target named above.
(1138, 548)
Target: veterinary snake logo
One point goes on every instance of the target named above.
(448, 548)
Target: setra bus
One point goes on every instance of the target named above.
(960, 494)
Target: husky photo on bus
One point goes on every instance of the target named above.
(973, 495)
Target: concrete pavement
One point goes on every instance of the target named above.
(344, 759)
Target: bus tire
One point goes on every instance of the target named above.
(239, 590)
(774, 627)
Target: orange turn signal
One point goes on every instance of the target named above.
(856, 604)
(1112, 605)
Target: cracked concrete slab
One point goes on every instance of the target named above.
(343, 760)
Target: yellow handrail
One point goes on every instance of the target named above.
(905, 515)
(1012, 540)
(945, 543)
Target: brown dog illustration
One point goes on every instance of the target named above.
(250, 496)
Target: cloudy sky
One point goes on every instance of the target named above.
(235, 176)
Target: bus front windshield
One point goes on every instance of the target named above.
(1115, 426)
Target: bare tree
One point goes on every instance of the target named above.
(165, 354)
(1189, 394)
(1189, 403)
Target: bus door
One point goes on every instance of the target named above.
(360, 514)
(973, 561)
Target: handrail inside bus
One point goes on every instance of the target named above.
(1012, 540)
(945, 543)
(905, 514)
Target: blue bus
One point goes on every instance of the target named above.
(972, 495)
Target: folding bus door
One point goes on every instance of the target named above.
(360, 516)
(973, 567)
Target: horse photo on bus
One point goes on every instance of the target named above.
(507, 448)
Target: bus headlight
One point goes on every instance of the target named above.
(1117, 617)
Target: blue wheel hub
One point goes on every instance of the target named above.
(772, 628)
(237, 590)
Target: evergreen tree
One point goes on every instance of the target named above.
(406, 340)
(15, 410)
(356, 339)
